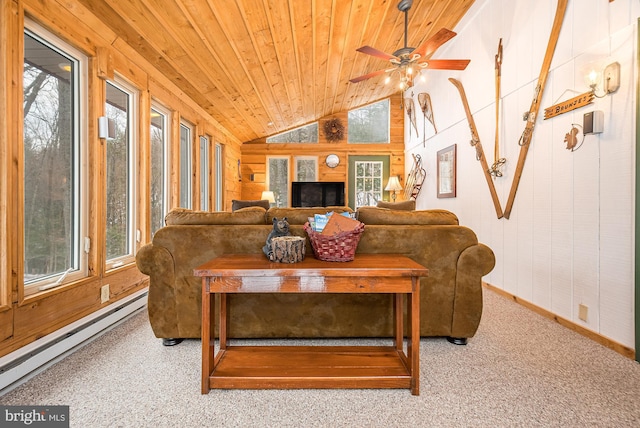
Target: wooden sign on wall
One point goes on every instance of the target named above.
(566, 106)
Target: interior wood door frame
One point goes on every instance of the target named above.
(351, 182)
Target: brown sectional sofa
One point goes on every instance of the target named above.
(451, 296)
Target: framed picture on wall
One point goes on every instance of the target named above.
(446, 162)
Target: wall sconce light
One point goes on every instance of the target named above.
(393, 185)
(269, 196)
(610, 78)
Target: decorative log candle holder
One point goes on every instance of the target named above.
(287, 249)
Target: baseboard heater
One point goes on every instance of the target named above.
(24, 363)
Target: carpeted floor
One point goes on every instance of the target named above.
(520, 370)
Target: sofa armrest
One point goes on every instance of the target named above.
(157, 262)
(474, 262)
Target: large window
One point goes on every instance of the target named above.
(306, 168)
(303, 134)
(369, 124)
(186, 132)
(120, 173)
(278, 179)
(159, 158)
(204, 172)
(218, 158)
(55, 195)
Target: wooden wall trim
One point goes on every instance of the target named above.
(10, 16)
(604, 341)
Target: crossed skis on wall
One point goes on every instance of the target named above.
(527, 134)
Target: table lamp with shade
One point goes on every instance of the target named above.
(269, 196)
(393, 185)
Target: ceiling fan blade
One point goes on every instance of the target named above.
(375, 52)
(447, 64)
(433, 43)
(367, 76)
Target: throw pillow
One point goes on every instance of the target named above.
(182, 216)
(375, 215)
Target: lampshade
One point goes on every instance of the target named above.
(268, 195)
(393, 184)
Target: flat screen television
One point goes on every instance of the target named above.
(317, 193)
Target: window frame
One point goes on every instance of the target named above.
(185, 178)
(296, 167)
(218, 182)
(350, 126)
(269, 185)
(352, 179)
(132, 226)
(269, 139)
(204, 145)
(166, 184)
(80, 188)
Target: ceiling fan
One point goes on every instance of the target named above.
(405, 59)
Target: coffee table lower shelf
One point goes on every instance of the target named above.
(290, 367)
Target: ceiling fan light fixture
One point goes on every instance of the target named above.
(405, 59)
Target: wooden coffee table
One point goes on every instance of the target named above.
(284, 367)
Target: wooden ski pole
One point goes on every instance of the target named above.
(498, 162)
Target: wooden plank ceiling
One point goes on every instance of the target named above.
(260, 67)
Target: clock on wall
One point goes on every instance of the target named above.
(332, 161)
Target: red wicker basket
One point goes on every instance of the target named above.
(340, 247)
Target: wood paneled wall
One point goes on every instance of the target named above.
(24, 319)
(254, 154)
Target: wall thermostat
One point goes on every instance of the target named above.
(593, 122)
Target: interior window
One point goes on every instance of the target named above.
(55, 201)
(369, 124)
(204, 172)
(186, 132)
(303, 134)
(159, 159)
(278, 179)
(218, 160)
(120, 173)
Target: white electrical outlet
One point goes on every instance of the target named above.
(104, 293)
(583, 310)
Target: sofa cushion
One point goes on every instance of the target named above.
(249, 215)
(404, 205)
(300, 215)
(375, 215)
(237, 204)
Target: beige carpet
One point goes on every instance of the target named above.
(521, 370)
